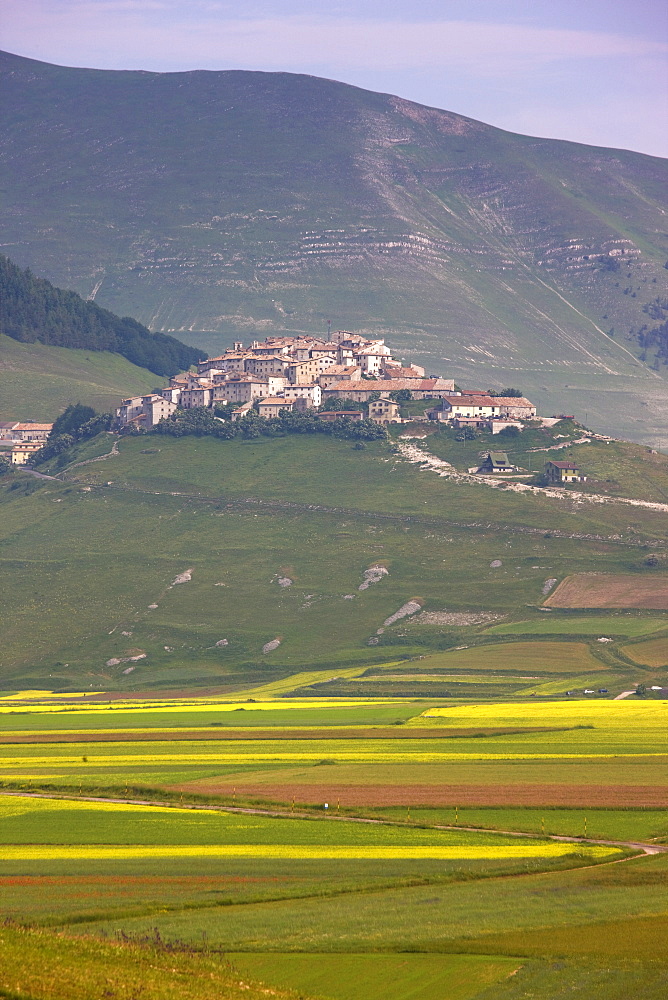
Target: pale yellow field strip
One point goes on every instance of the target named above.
(200, 706)
(91, 852)
(18, 805)
(45, 696)
(121, 761)
(276, 689)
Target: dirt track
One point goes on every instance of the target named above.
(419, 456)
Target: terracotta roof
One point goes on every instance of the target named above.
(398, 372)
(386, 385)
(275, 400)
(471, 400)
(33, 427)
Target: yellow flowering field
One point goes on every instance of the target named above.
(85, 852)
(621, 715)
(176, 706)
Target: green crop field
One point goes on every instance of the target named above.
(385, 977)
(38, 382)
(422, 918)
(162, 838)
(36, 963)
(598, 625)
(652, 652)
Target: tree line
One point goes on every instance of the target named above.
(212, 423)
(32, 309)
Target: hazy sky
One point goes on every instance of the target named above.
(589, 70)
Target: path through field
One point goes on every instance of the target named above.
(647, 849)
(428, 462)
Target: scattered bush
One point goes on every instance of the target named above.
(77, 423)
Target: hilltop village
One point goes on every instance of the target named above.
(304, 373)
(347, 377)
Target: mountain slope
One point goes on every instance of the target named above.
(237, 202)
(39, 381)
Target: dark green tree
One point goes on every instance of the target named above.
(32, 309)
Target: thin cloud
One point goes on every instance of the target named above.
(132, 32)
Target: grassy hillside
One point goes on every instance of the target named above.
(93, 574)
(246, 203)
(39, 382)
(612, 468)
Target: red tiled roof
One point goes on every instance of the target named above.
(471, 400)
(385, 385)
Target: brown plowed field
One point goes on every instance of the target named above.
(653, 652)
(605, 590)
(238, 733)
(618, 796)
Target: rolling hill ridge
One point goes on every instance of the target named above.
(218, 204)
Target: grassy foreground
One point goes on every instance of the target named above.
(39, 964)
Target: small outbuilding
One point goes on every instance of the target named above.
(495, 463)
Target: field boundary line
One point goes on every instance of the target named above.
(647, 849)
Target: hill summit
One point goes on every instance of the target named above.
(239, 202)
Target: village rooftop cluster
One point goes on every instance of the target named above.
(304, 373)
(300, 373)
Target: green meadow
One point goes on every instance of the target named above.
(594, 624)
(404, 977)
(39, 381)
(613, 468)
(93, 606)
